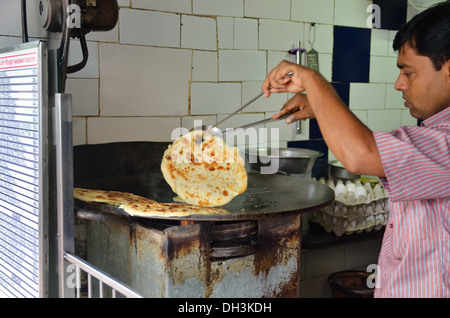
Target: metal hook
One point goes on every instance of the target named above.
(312, 26)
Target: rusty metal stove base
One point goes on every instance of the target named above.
(178, 261)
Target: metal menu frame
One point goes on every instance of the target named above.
(24, 81)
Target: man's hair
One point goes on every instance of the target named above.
(428, 33)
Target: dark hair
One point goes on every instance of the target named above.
(428, 33)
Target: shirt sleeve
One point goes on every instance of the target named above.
(416, 161)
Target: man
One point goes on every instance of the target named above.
(413, 162)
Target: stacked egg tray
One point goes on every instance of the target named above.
(359, 206)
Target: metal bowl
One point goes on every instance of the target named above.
(337, 170)
(285, 160)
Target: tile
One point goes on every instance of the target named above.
(394, 99)
(123, 3)
(383, 69)
(79, 131)
(117, 129)
(323, 42)
(215, 98)
(288, 132)
(233, 8)
(318, 11)
(104, 36)
(135, 26)
(270, 30)
(84, 96)
(198, 33)
(204, 66)
(91, 70)
(262, 104)
(407, 119)
(225, 32)
(393, 13)
(343, 90)
(182, 6)
(351, 57)
(242, 65)
(352, 13)
(245, 34)
(367, 96)
(362, 115)
(379, 42)
(268, 9)
(138, 67)
(383, 120)
(190, 122)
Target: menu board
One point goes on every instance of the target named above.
(23, 159)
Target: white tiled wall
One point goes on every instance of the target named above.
(168, 63)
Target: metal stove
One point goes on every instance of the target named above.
(254, 251)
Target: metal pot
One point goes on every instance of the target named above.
(337, 170)
(289, 160)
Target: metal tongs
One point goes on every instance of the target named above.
(209, 129)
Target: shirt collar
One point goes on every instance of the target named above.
(437, 118)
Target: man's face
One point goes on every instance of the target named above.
(425, 90)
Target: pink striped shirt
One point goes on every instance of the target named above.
(414, 260)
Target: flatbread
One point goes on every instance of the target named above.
(115, 198)
(208, 174)
(135, 205)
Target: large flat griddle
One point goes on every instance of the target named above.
(266, 196)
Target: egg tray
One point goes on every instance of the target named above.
(343, 219)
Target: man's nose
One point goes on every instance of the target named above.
(400, 84)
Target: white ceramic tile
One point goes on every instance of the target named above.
(245, 34)
(204, 66)
(379, 42)
(367, 96)
(391, 51)
(198, 33)
(225, 32)
(383, 69)
(79, 131)
(149, 28)
(323, 42)
(279, 35)
(144, 81)
(242, 65)
(325, 65)
(383, 120)
(394, 99)
(190, 122)
(268, 9)
(123, 3)
(76, 56)
(232, 8)
(262, 104)
(6, 41)
(275, 57)
(104, 36)
(84, 96)
(10, 24)
(182, 6)
(351, 13)
(318, 11)
(118, 129)
(362, 115)
(407, 119)
(215, 98)
(288, 132)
